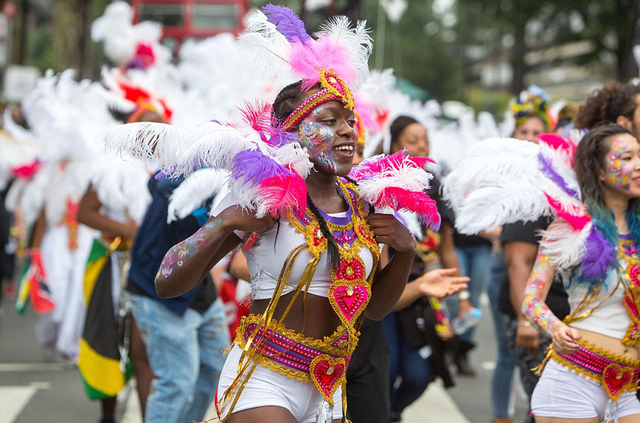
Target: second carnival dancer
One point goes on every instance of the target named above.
(314, 275)
(591, 372)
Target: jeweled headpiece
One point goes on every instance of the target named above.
(336, 57)
(533, 101)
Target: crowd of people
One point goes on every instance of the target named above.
(265, 228)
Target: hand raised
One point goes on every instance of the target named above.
(388, 230)
(441, 282)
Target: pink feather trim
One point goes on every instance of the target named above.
(323, 53)
(416, 202)
(577, 222)
(375, 166)
(283, 192)
(558, 142)
(368, 113)
(256, 115)
(26, 171)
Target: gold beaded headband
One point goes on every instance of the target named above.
(333, 88)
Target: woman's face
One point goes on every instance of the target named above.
(328, 134)
(415, 139)
(622, 166)
(529, 130)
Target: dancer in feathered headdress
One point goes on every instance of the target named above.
(292, 161)
(592, 189)
(528, 115)
(59, 112)
(126, 45)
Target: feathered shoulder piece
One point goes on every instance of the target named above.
(503, 180)
(398, 182)
(268, 170)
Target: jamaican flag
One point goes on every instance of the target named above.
(99, 359)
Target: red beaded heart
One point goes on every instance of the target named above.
(350, 270)
(634, 275)
(615, 379)
(350, 299)
(326, 372)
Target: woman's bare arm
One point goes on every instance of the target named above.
(89, 214)
(188, 262)
(38, 230)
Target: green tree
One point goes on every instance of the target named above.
(608, 24)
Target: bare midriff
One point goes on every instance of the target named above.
(612, 345)
(320, 319)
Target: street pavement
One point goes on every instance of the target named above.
(32, 389)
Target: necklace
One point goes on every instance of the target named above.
(630, 275)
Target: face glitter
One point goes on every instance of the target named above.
(618, 169)
(318, 138)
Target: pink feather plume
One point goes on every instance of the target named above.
(256, 115)
(559, 142)
(577, 221)
(417, 202)
(377, 165)
(323, 53)
(283, 192)
(368, 113)
(26, 171)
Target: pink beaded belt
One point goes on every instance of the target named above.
(285, 351)
(616, 373)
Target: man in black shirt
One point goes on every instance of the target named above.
(520, 244)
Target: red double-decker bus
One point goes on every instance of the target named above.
(184, 19)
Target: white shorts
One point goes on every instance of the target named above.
(269, 388)
(564, 394)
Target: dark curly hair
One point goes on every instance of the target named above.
(606, 104)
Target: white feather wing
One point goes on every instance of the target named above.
(497, 182)
(195, 191)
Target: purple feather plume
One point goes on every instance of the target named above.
(598, 257)
(253, 167)
(547, 169)
(287, 23)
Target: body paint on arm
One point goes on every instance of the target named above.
(180, 254)
(533, 305)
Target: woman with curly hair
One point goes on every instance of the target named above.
(614, 102)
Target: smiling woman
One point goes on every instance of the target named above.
(314, 275)
(602, 332)
(328, 134)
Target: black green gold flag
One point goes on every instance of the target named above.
(99, 358)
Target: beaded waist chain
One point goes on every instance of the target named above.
(321, 362)
(616, 373)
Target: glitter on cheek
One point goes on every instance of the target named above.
(617, 170)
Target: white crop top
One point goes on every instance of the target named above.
(610, 317)
(608, 314)
(266, 258)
